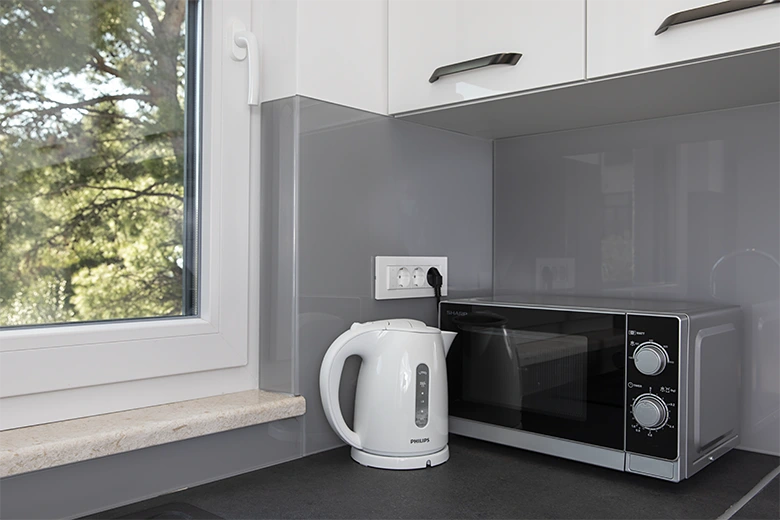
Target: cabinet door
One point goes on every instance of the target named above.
(621, 33)
(427, 34)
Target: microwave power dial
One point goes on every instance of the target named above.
(650, 411)
(650, 358)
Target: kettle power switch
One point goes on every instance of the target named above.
(421, 396)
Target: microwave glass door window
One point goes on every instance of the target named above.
(554, 373)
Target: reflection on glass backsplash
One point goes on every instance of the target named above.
(342, 186)
(683, 207)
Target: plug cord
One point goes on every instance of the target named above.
(435, 280)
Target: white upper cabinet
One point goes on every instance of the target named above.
(622, 33)
(426, 35)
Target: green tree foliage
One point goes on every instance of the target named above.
(91, 159)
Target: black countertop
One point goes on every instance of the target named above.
(481, 480)
(765, 504)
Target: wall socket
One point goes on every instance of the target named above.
(397, 277)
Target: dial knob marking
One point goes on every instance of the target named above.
(650, 411)
(650, 358)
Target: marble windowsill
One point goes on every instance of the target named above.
(54, 444)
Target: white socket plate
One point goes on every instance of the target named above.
(386, 280)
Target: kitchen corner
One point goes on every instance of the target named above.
(255, 254)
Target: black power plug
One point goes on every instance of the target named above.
(435, 279)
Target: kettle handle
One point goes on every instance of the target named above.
(330, 379)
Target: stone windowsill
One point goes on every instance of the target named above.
(54, 444)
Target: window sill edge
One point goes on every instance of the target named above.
(44, 446)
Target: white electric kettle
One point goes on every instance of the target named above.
(401, 396)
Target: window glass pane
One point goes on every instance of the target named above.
(98, 159)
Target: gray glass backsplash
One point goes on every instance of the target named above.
(341, 187)
(682, 207)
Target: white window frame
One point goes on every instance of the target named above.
(66, 371)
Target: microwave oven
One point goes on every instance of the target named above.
(646, 387)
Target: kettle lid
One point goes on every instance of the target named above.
(397, 324)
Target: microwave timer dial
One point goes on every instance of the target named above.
(650, 411)
(650, 358)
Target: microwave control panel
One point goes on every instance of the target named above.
(652, 385)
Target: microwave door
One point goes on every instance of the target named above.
(555, 373)
(552, 369)
(527, 370)
(491, 353)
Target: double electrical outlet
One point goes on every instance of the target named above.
(397, 277)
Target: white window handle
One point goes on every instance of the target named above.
(244, 46)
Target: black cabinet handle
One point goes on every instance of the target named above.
(502, 58)
(707, 11)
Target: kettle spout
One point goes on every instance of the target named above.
(448, 337)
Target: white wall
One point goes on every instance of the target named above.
(275, 24)
(331, 50)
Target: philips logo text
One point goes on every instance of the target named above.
(419, 441)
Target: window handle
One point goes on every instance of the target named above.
(707, 11)
(244, 46)
(502, 58)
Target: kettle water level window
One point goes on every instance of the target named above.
(99, 160)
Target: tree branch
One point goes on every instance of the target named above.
(79, 104)
(145, 192)
(152, 14)
(101, 65)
